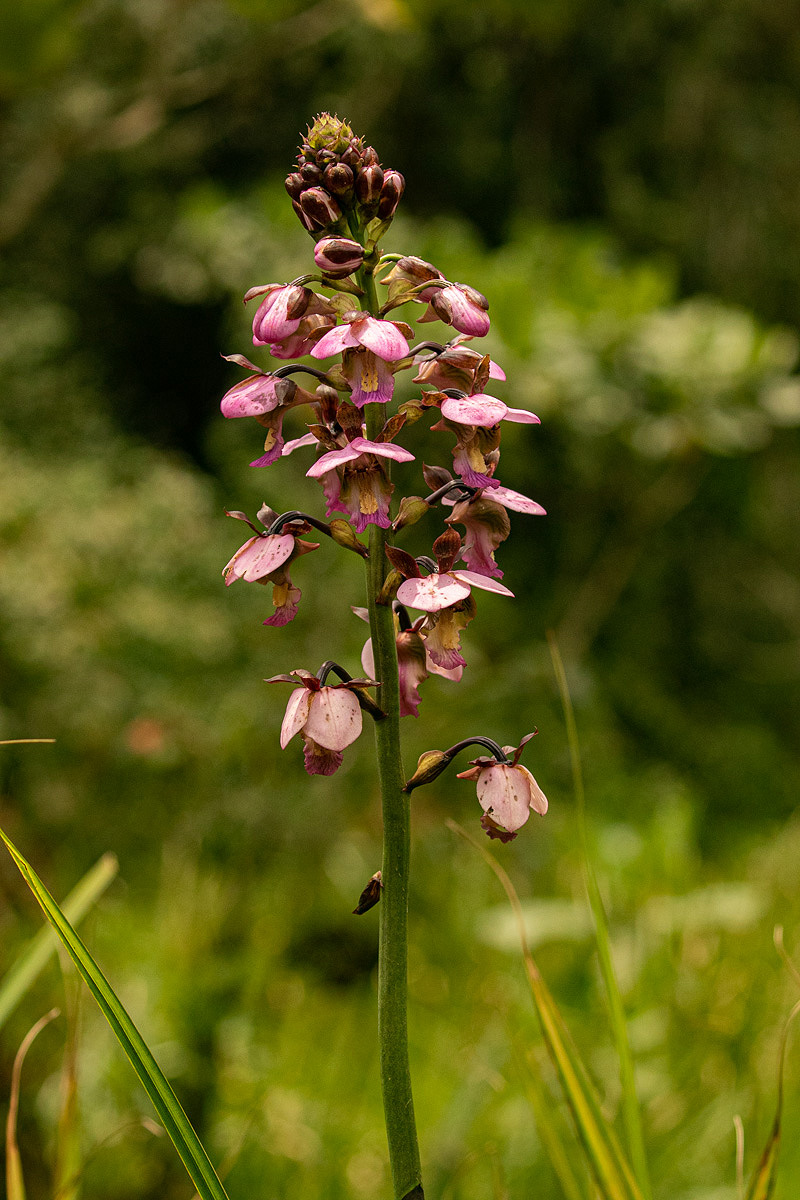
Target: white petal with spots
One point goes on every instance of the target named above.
(334, 719)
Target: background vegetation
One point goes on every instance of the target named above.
(621, 182)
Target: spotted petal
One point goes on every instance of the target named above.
(504, 792)
(259, 557)
(433, 592)
(251, 397)
(334, 719)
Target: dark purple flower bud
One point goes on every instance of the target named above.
(369, 182)
(370, 895)
(338, 179)
(295, 184)
(338, 256)
(311, 173)
(320, 207)
(305, 220)
(393, 188)
(369, 158)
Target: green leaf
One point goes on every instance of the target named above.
(155, 1083)
(30, 962)
(612, 1173)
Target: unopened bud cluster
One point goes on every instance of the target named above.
(338, 175)
(353, 430)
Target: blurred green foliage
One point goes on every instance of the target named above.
(620, 182)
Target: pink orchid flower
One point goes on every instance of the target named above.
(486, 522)
(461, 306)
(282, 310)
(328, 717)
(456, 366)
(484, 411)
(507, 792)
(267, 398)
(369, 344)
(265, 558)
(441, 590)
(412, 667)
(355, 482)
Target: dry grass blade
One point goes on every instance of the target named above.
(15, 1184)
(762, 1185)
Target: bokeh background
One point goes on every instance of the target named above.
(621, 180)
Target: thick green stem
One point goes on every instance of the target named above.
(398, 1102)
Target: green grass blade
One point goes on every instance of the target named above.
(33, 958)
(68, 1166)
(762, 1184)
(544, 1112)
(631, 1110)
(164, 1100)
(612, 1174)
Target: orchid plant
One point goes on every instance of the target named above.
(346, 201)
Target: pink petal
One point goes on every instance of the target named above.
(308, 439)
(465, 315)
(250, 398)
(430, 594)
(318, 760)
(481, 581)
(334, 458)
(474, 410)
(522, 416)
(334, 342)
(504, 792)
(453, 673)
(383, 449)
(496, 372)
(271, 322)
(263, 556)
(334, 719)
(371, 381)
(538, 798)
(516, 501)
(382, 338)
(296, 714)
(368, 659)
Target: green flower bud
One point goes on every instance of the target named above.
(431, 763)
